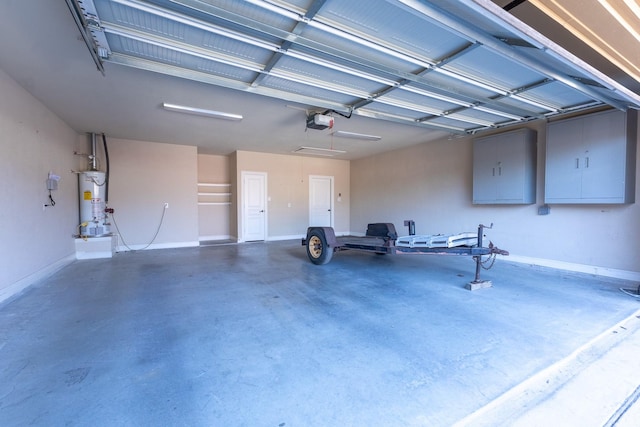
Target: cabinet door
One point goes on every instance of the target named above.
(563, 167)
(484, 171)
(510, 168)
(603, 157)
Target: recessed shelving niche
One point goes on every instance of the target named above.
(210, 194)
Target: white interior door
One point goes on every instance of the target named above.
(320, 201)
(254, 218)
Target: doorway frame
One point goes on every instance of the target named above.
(331, 193)
(243, 205)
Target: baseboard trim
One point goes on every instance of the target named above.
(22, 284)
(290, 237)
(578, 268)
(213, 238)
(172, 245)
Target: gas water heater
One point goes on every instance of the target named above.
(93, 204)
(93, 188)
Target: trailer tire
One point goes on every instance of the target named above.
(317, 249)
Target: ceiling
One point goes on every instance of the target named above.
(407, 71)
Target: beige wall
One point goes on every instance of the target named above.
(144, 176)
(213, 220)
(432, 184)
(33, 142)
(288, 183)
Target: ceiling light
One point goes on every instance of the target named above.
(327, 152)
(201, 112)
(354, 135)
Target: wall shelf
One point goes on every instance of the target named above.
(213, 194)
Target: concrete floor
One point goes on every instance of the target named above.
(256, 335)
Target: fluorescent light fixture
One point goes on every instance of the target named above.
(354, 135)
(314, 151)
(201, 112)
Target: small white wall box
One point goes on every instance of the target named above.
(438, 240)
(52, 181)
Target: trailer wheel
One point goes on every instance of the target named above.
(317, 249)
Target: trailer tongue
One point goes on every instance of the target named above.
(381, 238)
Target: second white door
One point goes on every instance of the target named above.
(320, 201)
(254, 189)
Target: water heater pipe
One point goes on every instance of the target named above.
(93, 152)
(106, 179)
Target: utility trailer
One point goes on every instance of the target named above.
(382, 239)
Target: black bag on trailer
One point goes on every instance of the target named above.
(382, 229)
